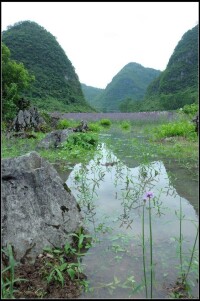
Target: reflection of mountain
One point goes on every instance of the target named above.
(116, 179)
(181, 180)
(184, 184)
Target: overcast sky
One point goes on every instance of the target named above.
(100, 38)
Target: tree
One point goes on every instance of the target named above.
(15, 80)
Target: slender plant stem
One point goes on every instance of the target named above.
(11, 264)
(180, 240)
(151, 253)
(143, 249)
(192, 255)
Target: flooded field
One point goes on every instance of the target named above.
(140, 116)
(143, 226)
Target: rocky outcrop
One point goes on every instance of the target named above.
(54, 139)
(37, 210)
(28, 119)
(82, 127)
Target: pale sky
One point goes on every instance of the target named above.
(100, 38)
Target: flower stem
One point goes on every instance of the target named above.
(151, 253)
(143, 249)
(180, 240)
(192, 255)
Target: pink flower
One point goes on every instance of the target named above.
(148, 195)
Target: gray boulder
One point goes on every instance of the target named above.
(37, 210)
(54, 139)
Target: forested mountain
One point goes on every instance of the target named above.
(178, 84)
(56, 85)
(91, 93)
(130, 82)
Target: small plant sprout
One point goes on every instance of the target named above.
(8, 275)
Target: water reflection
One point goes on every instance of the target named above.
(111, 196)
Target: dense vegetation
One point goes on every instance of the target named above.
(15, 80)
(91, 93)
(56, 85)
(178, 84)
(131, 81)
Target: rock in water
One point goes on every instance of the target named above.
(37, 211)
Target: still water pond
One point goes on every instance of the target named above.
(110, 190)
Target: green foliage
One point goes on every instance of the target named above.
(105, 122)
(13, 147)
(82, 240)
(8, 275)
(55, 76)
(52, 104)
(65, 123)
(131, 81)
(182, 128)
(55, 271)
(130, 105)
(15, 81)
(125, 125)
(191, 110)
(94, 127)
(178, 84)
(91, 93)
(86, 141)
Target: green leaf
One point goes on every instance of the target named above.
(81, 237)
(60, 276)
(57, 251)
(71, 273)
(63, 266)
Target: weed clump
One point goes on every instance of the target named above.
(105, 122)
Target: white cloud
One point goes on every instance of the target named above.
(100, 38)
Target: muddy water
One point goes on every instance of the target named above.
(110, 190)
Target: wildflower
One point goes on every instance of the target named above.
(148, 195)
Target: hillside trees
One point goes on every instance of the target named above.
(177, 85)
(15, 80)
(56, 85)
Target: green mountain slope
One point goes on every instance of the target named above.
(178, 84)
(56, 85)
(91, 93)
(131, 81)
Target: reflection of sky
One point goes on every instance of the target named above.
(111, 208)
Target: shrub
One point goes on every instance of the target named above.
(94, 127)
(105, 122)
(82, 140)
(65, 123)
(190, 109)
(125, 125)
(181, 128)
